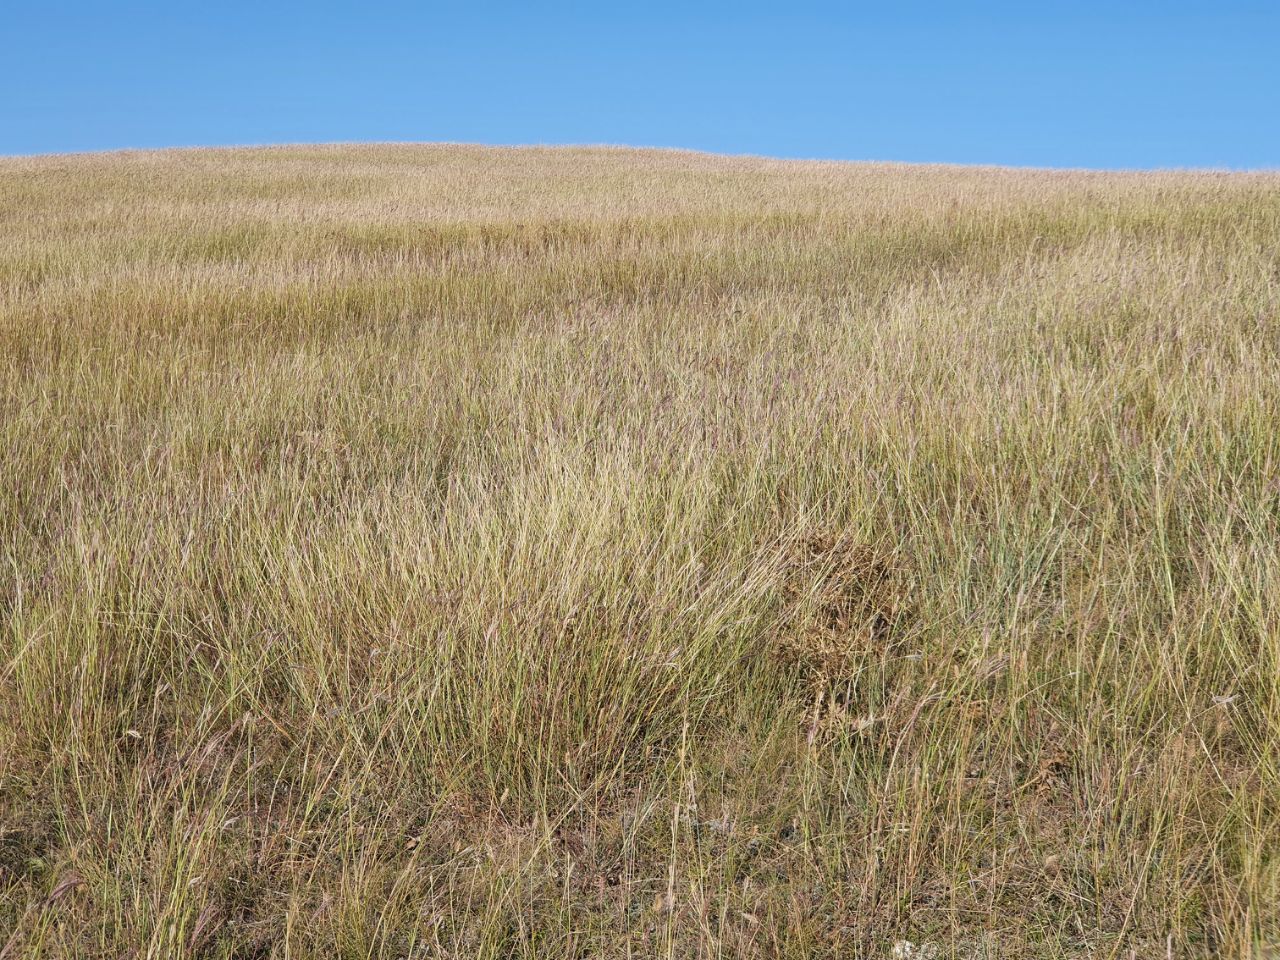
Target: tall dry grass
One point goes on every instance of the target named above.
(438, 551)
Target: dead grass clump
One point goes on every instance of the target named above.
(843, 601)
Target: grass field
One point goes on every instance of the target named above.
(443, 551)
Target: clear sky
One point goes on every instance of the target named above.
(1085, 83)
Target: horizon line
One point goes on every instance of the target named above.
(624, 147)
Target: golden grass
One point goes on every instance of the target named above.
(442, 551)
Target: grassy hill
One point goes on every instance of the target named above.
(414, 551)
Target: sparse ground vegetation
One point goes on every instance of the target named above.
(443, 551)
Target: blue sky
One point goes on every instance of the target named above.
(1093, 84)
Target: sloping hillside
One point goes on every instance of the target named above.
(414, 551)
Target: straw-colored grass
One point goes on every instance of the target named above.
(443, 551)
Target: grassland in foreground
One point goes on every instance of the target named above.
(438, 551)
